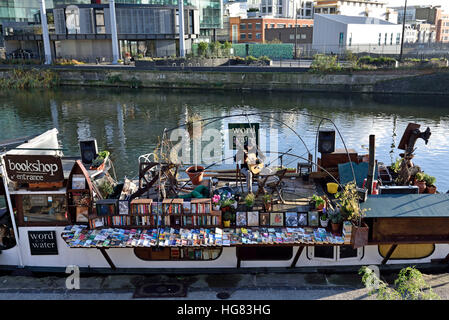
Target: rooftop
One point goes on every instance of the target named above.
(354, 19)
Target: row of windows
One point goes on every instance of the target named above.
(249, 26)
(250, 36)
(261, 253)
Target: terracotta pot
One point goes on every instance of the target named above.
(195, 176)
(421, 186)
(336, 228)
(320, 207)
(431, 189)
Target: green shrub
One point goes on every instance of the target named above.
(32, 78)
(202, 48)
(378, 62)
(325, 63)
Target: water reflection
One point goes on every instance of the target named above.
(128, 122)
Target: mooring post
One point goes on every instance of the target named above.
(372, 160)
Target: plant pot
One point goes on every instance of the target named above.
(359, 235)
(421, 186)
(324, 223)
(320, 207)
(227, 223)
(431, 189)
(336, 228)
(195, 175)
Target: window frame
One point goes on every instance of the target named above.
(310, 254)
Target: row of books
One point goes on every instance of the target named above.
(276, 219)
(152, 220)
(79, 236)
(194, 254)
(160, 208)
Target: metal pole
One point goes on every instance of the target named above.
(371, 165)
(114, 37)
(11, 212)
(296, 26)
(403, 31)
(45, 36)
(181, 28)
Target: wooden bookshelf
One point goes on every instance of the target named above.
(175, 213)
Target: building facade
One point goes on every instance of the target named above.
(252, 30)
(360, 8)
(337, 34)
(84, 32)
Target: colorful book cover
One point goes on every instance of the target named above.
(253, 219)
(241, 219)
(291, 219)
(276, 219)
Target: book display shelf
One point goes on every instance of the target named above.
(149, 213)
(79, 194)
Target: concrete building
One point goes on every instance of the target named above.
(252, 30)
(336, 33)
(84, 32)
(443, 28)
(302, 38)
(361, 8)
(305, 10)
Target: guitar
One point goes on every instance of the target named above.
(255, 165)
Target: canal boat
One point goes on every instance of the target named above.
(62, 211)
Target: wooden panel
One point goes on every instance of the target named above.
(333, 159)
(403, 229)
(408, 251)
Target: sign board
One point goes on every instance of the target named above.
(34, 169)
(243, 132)
(43, 242)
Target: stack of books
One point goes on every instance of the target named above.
(347, 231)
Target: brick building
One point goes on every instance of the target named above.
(252, 30)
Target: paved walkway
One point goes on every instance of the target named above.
(313, 286)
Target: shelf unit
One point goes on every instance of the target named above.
(144, 213)
(79, 201)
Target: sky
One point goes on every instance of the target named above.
(397, 3)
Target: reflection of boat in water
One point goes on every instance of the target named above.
(73, 215)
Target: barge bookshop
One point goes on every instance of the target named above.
(337, 209)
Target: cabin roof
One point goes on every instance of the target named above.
(407, 205)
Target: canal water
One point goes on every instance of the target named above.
(128, 122)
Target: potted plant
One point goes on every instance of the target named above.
(420, 182)
(336, 222)
(216, 202)
(100, 160)
(319, 202)
(324, 220)
(350, 210)
(227, 216)
(430, 183)
(249, 201)
(267, 202)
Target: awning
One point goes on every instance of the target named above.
(407, 206)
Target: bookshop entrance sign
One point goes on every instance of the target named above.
(34, 169)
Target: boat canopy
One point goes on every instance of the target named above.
(44, 144)
(407, 206)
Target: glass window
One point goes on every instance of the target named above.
(408, 251)
(398, 38)
(266, 25)
(264, 253)
(258, 36)
(44, 208)
(250, 25)
(258, 26)
(347, 252)
(380, 38)
(243, 36)
(99, 20)
(341, 39)
(250, 36)
(270, 10)
(158, 254)
(303, 36)
(272, 25)
(242, 26)
(326, 252)
(281, 25)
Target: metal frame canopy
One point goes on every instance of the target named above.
(407, 206)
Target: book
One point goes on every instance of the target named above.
(253, 219)
(291, 219)
(82, 214)
(240, 219)
(302, 219)
(264, 219)
(276, 219)
(313, 218)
